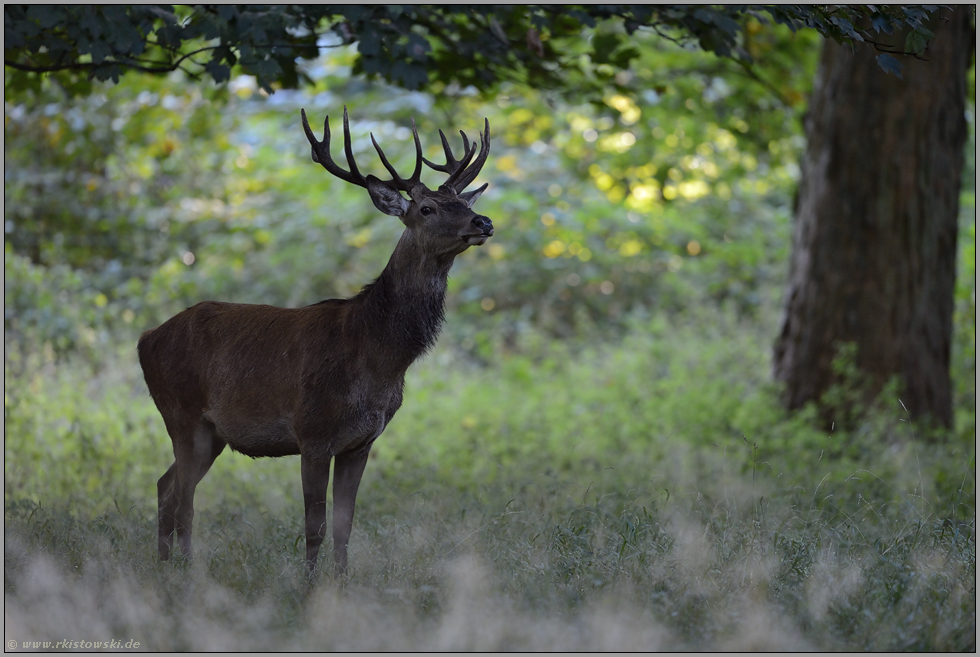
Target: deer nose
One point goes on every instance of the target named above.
(484, 224)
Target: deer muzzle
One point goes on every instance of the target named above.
(481, 228)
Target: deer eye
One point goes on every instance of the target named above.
(425, 210)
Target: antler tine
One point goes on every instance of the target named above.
(467, 146)
(460, 167)
(417, 174)
(321, 151)
(452, 165)
(404, 185)
(348, 152)
(470, 173)
(449, 157)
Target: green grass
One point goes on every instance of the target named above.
(638, 495)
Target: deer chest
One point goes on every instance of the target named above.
(349, 421)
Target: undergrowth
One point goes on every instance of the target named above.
(647, 494)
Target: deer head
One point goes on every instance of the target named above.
(441, 220)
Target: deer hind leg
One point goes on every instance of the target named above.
(166, 510)
(193, 460)
(347, 478)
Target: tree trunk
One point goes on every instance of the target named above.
(874, 244)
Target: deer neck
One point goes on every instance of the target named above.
(402, 311)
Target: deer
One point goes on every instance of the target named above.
(322, 381)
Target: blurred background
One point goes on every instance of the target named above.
(144, 197)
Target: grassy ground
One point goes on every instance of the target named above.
(647, 494)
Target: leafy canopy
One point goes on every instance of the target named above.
(408, 45)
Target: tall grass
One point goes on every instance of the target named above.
(640, 495)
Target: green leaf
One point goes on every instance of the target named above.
(369, 45)
(881, 24)
(889, 64)
(623, 57)
(603, 46)
(917, 40)
(47, 15)
(846, 28)
(219, 72)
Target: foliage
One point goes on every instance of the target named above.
(411, 46)
(102, 42)
(603, 209)
(103, 190)
(159, 197)
(964, 352)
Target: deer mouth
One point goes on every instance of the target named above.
(479, 239)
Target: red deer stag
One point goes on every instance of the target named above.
(321, 381)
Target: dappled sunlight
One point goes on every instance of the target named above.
(627, 108)
(692, 190)
(254, 225)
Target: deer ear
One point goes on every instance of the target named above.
(469, 198)
(386, 198)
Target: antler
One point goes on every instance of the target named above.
(404, 185)
(321, 154)
(321, 151)
(461, 172)
(452, 164)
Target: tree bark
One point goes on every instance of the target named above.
(874, 245)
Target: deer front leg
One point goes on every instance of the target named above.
(347, 478)
(316, 475)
